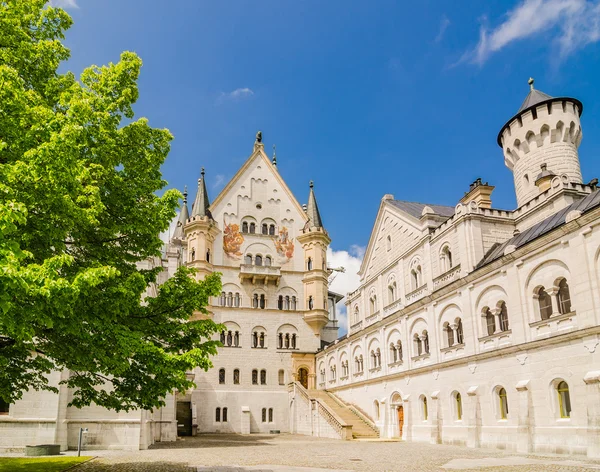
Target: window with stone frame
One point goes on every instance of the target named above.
(236, 376)
(564, 297)
(544, 303)
(504, 326)
(263, 377)
(221, 376)
(281, 377)
(490, 322)
(225, 415)
(218, 415)
(264, 415)
(270, 415)
(255, 377)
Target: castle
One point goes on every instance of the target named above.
(471, 325)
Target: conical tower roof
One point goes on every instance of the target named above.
(312, 209)
(201, 203)
(533, 98)
(184, 215)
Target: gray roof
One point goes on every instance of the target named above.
(312, 210)
(183, 217)
(552, 222)
(200, 207)
(533, 98)
(416, 209)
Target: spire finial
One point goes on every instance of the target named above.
(311, 184)
(530, 82)
(185, 194)
(202, 172)
(259, 137)
(274, 157)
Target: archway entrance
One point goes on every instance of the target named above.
(303, 377)
(400, 419)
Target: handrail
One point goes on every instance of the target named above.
(354, 410)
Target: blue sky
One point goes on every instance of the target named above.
(366, 98)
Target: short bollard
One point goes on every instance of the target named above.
(81, 431)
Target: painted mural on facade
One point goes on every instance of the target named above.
(283, 244)
(232, 240)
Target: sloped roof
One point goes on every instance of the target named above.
(312, 209)
(416, 209)
(541, 228)
(533, 98)
(200, 207)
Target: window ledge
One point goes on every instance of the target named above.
(332, 381)
(345, 377)
(375, 369)
(498, 334)
(394, 364)
(259, 347)
(232, 347)
(453, 347)
(358, 374)
(557, 317)
(422, 356)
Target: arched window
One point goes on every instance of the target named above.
(414, 279)
(361, 363)
(399, 349)
(376, 410)
(356, 315)
(503, 403)
(458, 406)
(265, 228)
(446, 259)
(426, 342)
(230, 299)
(222, 338)
(393, 353)
(280, 341)
(229, 338)
(310, 302)
(237, 301)
(418, 344)
(193, 254)
(564, 297)
(258, 260)
(222, 299)
(459, 332)
(252, 228)
(378, 357)
(280, 302)
(236, 339)
(221, 376)
(272, 230)
(392, 292)
(309, 264)
(255, 339)
(281, 377)
(225, 415)
(264, 415)
(262, 339)
(293, 341)
(255, 377)
(248, 259)
(255, 301)
(208, 256)
(287, 340)
(564, 399)
(545, 303)
(490, 322)
(270, 415)
(236, 376)
(373, 300)
(424, 408)
(268, 261)
(449, 334)
(286, 302)
(263, 301)
(245, 227)
(263, 377)
(293, 303)
(218, 415)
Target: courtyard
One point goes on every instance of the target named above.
(292, 453)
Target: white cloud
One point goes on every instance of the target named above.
(572, 24)
(235, 95)
(219, 179)
(64, 3)
(347, 281)
(444, 23)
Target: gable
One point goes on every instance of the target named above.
(404, 231)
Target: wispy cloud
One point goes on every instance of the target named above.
(219, 179)
(235, 95)
(347, 281)
(64, 3)
(572, 23)
(444, 23)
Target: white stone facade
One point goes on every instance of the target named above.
(471, 323)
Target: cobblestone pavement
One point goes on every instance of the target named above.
(290, 453)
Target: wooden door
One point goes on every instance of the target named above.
(303, 377)
(184, 419)
(400, 420)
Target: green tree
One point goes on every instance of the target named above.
(79, 211)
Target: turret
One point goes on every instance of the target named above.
(200, 232)
(315, 240)
(545, 130)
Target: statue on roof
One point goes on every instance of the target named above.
(259, 137)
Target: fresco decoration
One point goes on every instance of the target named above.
(232, 240)
(283, 244)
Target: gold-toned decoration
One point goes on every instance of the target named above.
(232, 240)
(283, 244)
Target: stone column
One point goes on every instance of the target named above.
(592, 386)
(312, 381)
(60, 431)
(407, 427)
(496, 312)
(553, 292)
(434, 414)
(524, 423)
(473, 418)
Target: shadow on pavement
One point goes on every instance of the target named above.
(219, 440)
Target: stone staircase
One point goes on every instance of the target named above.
(361, 429)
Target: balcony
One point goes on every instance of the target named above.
(416, 294)
(447, 277)
(260, 274)
(392, 308)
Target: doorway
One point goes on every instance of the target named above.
(400, 419)
(184, 418)
(303, 377)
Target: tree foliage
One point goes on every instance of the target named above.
(78, 214)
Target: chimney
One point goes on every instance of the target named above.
(479, 192)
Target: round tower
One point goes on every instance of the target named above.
(545, 132)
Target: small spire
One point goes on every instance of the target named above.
(312, 210)
(274, 157)
(184, 215)
(530, 82)
(311, 184)
(201, 203)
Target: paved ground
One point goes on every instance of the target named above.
(290, 453)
